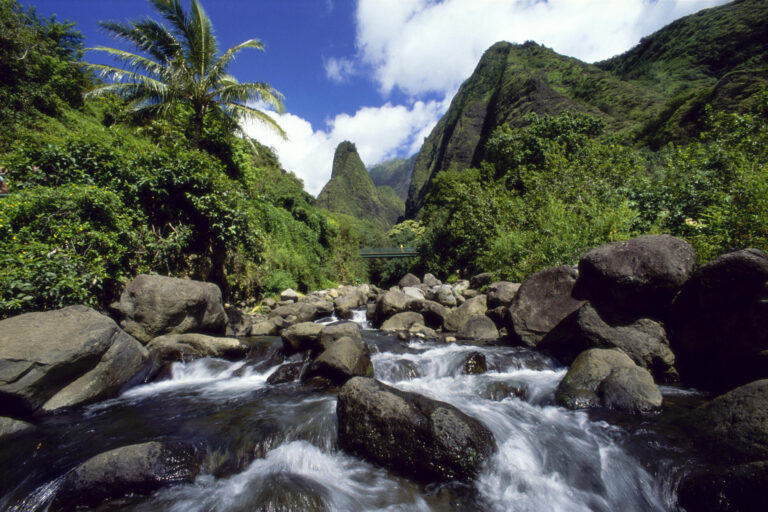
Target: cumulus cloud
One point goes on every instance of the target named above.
(339, 70)
(380, 133)
(424, 46)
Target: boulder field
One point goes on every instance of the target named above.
(629, 315)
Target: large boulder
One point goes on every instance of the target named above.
(402, 321)
(413, 292)
(718, 324)
(135, 469)
(334, 332)
(390, 303)
(542, 302)
(156, 305)
(479, 328)
(501, 293)
(434, 313)
(301, 311)
(733, 427)
(638, 277)
(349, 298)
(189, 346)
(409, 280)
(302, 336)
(64, 358)
(478, 281)
(445, 296)
(409, 433)
(737, 488)
(346, 358)
(430, 280)
(11, 428)
(643, 340)
(608, 378)
(238, 323)
(268, 327)
(461, 315)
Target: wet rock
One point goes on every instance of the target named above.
(474, 364)
(461, 315)
(433, 312)
(300, 311)
(370, 312)
(643, 340)
(737, 488)
(718, 325)
(409, 433)
(63, 358)
(639, 276)
(289, 295)
(478, 328)
(629, 387)
(189, 346)
(155, 305)
(409, 280)
(542, 302)
(135, 469)
(331, 333)
(11, 428)
(502, 293)
(498, 390)
(325, 307)
(287, 372)
(270, 327)
(422, 331)
(345, 359)
(301, 337)
(238, 323)
(402, 321)
(286, 492)
(499, 316)
(733, 427)
(430, 280)
(351, 298)
(390, 303)
(478, 281)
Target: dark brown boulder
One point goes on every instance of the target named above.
(542, 302)
(638, 277)
(718, 325)
(411, 434)
(344, 359)
(738, 488)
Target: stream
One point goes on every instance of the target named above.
(273, 447)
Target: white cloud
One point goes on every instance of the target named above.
(380, 133)
(423, 46)
(339, 70)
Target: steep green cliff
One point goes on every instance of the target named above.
(395, 173)
(351, 191)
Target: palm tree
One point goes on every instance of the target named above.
(181, 63)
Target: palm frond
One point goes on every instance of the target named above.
(241, 113)
(126, 78)
(232, 91)
(203, 47)
(136, 62)
(217, 70)
(148, 35)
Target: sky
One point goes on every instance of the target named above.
(380, 73)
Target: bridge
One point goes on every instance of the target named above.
(388, 252)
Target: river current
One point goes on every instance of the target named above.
(273, 447)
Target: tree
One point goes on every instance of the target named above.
(181, 63)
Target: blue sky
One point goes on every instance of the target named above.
(381, 72)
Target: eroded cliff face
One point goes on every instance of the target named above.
(351, 191)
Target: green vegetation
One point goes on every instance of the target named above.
(395, 173)
(98, 194)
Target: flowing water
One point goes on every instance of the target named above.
(273, 448)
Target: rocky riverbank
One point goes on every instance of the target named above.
(633, 315)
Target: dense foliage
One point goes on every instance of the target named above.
(98, 196)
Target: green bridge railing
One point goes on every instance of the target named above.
(388, 252)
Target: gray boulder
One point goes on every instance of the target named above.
(331, 333)
(718, 324)
(409, 433)
(643, 340)
(413, 292)
(478, 281)
(189, 346)
(478, 328)
(135, 469)
(300, 337)
(402, 321)
(542, 302)
(409, 280)
(64, 358)
(639, 277)
(430, 280)
(345, 359)
(733, 427)
(349, 298)
(268, 327)
(390, 303)
(608, 378)
(434, 313)
(501, 293)
(11, 428)
(287, 372)
(461, 315)
(474, 364)
(238, 323)
(445, 296)
(156, 305)
(300, 311)
(290, 295)
(737, 488)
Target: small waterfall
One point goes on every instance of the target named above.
(360, 317)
